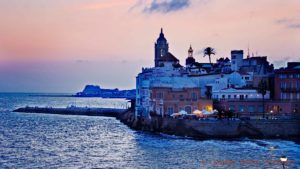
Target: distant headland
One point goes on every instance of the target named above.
(96, 91)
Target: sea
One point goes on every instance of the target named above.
(29, 140)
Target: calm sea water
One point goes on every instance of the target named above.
(59, 141)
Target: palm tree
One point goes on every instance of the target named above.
(208, 52)
(262, 89)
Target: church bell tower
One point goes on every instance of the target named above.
(190, 59)
(161, 47)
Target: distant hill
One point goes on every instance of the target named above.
(96, 91)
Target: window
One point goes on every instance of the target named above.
(241, 108)
(260, 109)
(160, 95)
(234, 96)
(247, 78)
(194, 96)
(181, 97)
(251, 109)
(232, 107)
(282, 85)
(284, 96)
(229, 96)
(223, 96)
(289, 84)
(298, 85)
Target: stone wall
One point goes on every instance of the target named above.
(216, 128)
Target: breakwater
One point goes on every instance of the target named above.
(108, 112)
(203, 129)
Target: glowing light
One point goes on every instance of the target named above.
(283, 159)
(209, 108)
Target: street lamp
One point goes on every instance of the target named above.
(283, 160)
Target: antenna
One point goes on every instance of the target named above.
(248, 55)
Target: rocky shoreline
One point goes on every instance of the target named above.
(216, 129)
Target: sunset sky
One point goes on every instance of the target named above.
(61, 45)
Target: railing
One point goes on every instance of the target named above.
(270, 115)
(244, 99)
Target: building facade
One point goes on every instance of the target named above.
(169, 88)
(238, 94)
(287, 82)
(166, 101)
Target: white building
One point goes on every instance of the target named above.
(169, 75)
(236, 59)
(238, 94)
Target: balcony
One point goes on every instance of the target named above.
(161, 102)
(290, 90)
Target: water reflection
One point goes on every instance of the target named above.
(57, 141)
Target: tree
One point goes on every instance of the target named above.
(208, 52)
(208, 92)
(262, 89)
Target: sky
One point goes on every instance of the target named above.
(62, 45)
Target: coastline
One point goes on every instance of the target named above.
(198, 129)
(215, 129)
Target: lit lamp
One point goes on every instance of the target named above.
(283, 160)
(271, 112)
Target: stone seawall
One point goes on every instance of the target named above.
(216, 128)
(109, 112)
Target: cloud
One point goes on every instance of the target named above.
(166, 6)
(296, 25)
(289, 23)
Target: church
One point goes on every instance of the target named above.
(167, 88)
